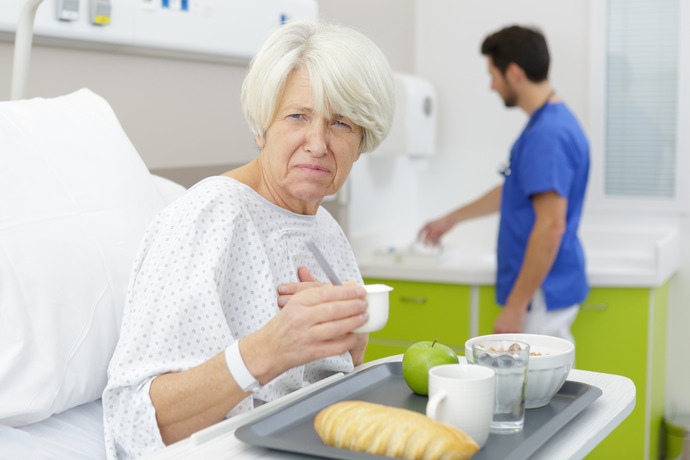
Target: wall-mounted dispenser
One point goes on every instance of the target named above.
(414, 125)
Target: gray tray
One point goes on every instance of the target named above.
(291, 428)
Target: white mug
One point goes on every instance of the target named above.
(462, 395)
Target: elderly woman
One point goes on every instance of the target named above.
(224, 311)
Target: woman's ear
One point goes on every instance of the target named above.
(259, 141)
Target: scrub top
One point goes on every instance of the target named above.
(551, 154)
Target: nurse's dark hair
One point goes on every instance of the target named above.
(524, 46)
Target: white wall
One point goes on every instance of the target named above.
(475, 129)
(182, 113)
(176, 112)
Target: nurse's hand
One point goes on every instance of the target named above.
(432, 232)
(511, 320)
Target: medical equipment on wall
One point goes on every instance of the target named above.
(67, 10)
(217, 30)
(99, 12)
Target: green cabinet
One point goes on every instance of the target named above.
(422, 311)
(623, 331)
(618, 331)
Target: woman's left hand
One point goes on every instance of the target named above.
(357, 352)
(287, 290)
(307, 281)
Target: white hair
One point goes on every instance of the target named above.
(348, 73)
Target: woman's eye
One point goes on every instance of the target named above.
(341, 124)
(295, 116)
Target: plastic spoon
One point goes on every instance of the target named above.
(324, 264)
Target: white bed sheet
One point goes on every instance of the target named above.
(74, 434)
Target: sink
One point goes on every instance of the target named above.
(616, 255)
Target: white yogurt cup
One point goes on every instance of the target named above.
(377, 297)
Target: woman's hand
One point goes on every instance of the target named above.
(357, 352)
(315, 323)
(307, 281)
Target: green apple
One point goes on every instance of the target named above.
(419, 358)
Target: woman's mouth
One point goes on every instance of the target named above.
(313, 169)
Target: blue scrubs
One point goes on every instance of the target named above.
(551, 154)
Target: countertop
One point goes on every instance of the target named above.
(573, 441)
(615, 257)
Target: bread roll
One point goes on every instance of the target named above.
(391, 431)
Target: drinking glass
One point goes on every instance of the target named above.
(508, 359)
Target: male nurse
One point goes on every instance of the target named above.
(540, 281)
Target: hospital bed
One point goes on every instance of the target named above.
(75, 199)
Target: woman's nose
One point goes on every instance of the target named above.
(317, 139)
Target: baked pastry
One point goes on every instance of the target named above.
(391, 431)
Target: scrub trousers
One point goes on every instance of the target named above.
(556, 322)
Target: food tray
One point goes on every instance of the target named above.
(291, 428)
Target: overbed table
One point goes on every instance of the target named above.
(574, 441)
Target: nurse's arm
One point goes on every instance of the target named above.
(542, 249)
(486, 204)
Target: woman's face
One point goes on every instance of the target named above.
(306, 156)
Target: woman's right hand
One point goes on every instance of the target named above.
(315, 323)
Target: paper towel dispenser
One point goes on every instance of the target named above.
(414, 124)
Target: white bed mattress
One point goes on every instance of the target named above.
(74, 434)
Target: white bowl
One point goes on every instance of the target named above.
(550, 361)
(377, 297)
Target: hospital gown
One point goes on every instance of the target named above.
(206, 275)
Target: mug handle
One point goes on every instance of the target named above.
(434, 401)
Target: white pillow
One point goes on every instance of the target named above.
(169, 189)
(75, 199)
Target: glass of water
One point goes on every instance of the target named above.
(508, 359)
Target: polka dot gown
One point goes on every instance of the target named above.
(206, 275)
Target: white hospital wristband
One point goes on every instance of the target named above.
(239, 370)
